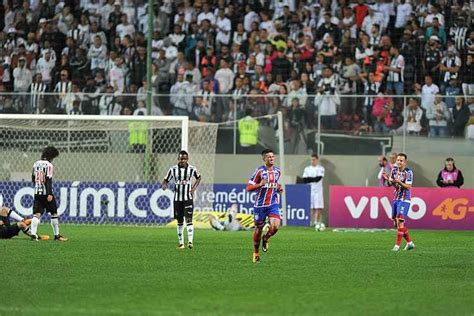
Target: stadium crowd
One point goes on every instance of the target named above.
(302, 57)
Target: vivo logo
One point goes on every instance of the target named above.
(374, 205)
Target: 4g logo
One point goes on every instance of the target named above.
(453, 209)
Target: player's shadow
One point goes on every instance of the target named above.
(420, 178)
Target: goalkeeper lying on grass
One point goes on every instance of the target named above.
(230, 222)
(8, 230)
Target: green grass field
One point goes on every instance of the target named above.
(107, 270)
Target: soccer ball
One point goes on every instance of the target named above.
(319, 227)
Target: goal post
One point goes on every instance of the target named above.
(110, 167)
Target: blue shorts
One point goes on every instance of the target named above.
(400, 209)
(261, 213)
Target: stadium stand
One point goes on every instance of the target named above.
(286, 54)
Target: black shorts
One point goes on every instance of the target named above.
(41, 204)
(183, 209)
(9, 231)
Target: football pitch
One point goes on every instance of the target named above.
(108, 270)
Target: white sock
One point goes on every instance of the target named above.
(34, 225)
(15, 216)
(180, 229)
(190, 228)
(55, 225)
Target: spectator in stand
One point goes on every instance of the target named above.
(450, 176)
(382, 112)
(117, 76)
(45, 66)
(97, 55)
(439, 116)
(281, 66)
(395, 80)
(404, 10)
(371, 19)
(224, 28)
(106, 101)
(452, 90)
(412, 118)
(434, 13)
(467, 75)
(181, 96)
(460, 117)
(124, 28)
(459, 33)
(385, 168)
(437, 30)
(371, 89)
(327, 28)
(349, 77)
(428, 93)
(432, 58)
(449, 67)
(326, 101)
(62, 88)
(36, 92)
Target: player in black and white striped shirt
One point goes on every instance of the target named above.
(44, 200)
(184, 189)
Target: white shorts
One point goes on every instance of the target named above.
(317, 200)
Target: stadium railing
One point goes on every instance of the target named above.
(354, 130)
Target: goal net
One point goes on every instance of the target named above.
(109, 168)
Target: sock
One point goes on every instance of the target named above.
(400, 234)
(34, 225)
(180, 229)
(27, 231)
(15, 216)
(190, 228)
(55, 225)
(272, 231)
(406, 235)
(257, 235)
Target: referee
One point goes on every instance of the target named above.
(184, 189)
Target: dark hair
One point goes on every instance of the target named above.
(450, 159)
(266, 151)
(402, 155)
(49, 153)
(315, 156)
(384, 159)
(183, 152)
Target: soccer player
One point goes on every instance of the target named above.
(8, 230)
(401, 177)
(265, 182)
(230, 222)
(44, 199)
(314, 174)
(184, 189)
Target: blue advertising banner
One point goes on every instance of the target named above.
(143, 203)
